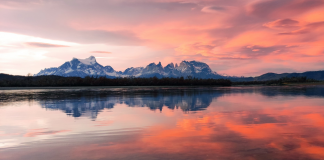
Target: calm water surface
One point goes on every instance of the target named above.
(163, 123)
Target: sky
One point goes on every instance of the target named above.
(234, 37)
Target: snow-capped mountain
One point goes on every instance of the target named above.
(133, 71)
(80, 68)
(90, 67)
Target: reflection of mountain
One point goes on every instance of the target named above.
(89, 102)
(90, 107)
(77, 108)
(185, 102)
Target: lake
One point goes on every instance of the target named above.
(153, 123)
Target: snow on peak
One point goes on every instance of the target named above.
(89, 66)
(88, 61)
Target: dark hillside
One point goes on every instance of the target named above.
(9, 77)
(316, 75)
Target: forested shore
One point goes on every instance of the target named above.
(44, 81)
(57, 81)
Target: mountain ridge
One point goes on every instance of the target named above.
(90, 67)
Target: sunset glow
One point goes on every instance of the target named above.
(234, 37)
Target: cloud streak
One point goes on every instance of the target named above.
(212, 9)
(43, 45)
(106, 52)
(282, 23)
(306, 29)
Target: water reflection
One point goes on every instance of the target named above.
(183, 123)
(77, 108)
(91, 107)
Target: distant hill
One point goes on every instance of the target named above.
(9, 77)
(317, 75)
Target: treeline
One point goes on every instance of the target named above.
(58, 81)
(280, 81)
(53, 81)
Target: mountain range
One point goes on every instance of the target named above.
(90, 67)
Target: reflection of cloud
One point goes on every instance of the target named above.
(220, 135)
(38, 132)
(244, 124)
(104, 123)
(43, 45)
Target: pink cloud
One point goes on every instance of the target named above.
(312, 27)
(212, 9)
(287, 8)
(282, 23)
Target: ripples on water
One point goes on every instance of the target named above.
(163, 123)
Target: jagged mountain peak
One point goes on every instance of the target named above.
(90, 67)
(152, 64)
(171, 65)
(192, 62)
(87, 61)
(133, 71)
(153, 68)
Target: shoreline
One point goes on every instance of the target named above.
(103, 87)
(97, 87)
